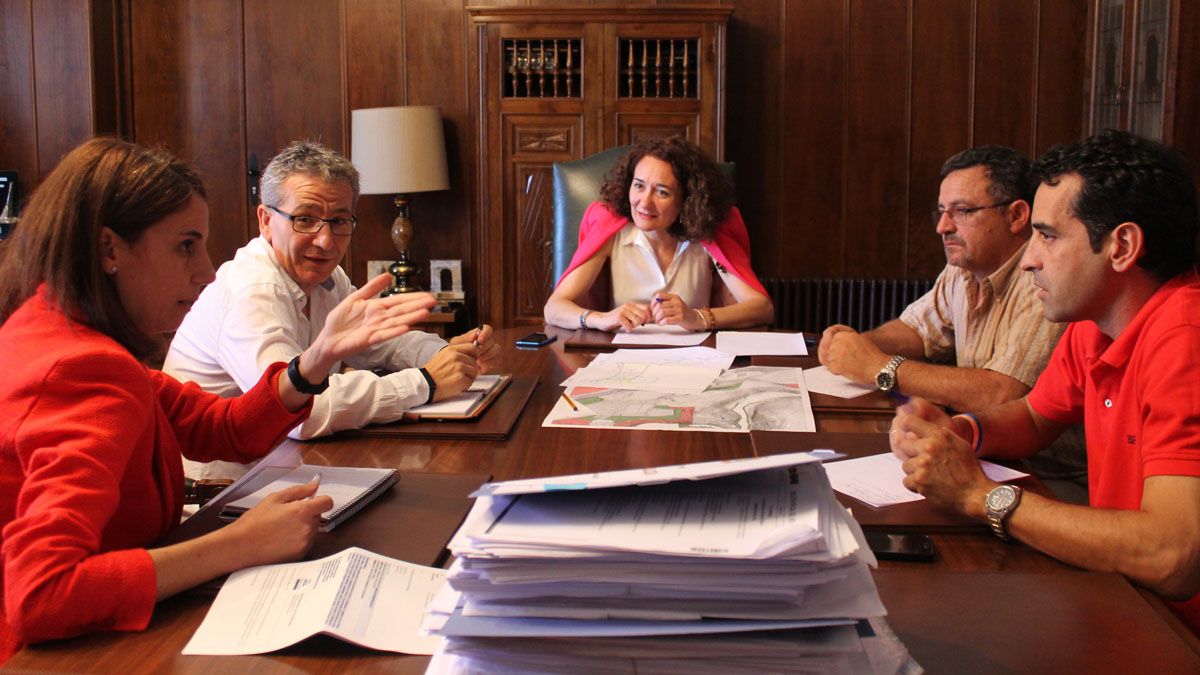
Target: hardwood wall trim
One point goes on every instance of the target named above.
(18, 106)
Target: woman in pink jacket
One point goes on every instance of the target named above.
(665, 245)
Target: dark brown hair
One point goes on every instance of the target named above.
(707, 194)
(104, 182)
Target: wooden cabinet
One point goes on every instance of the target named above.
(1135, 59)
(556, 83)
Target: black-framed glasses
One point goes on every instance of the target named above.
(959, 214)
(342, 227)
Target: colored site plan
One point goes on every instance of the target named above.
(739, 400)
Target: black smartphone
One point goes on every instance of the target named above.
(535, 340)
(889, 546)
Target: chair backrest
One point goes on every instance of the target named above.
(577, 184)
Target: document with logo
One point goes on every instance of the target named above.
(357, 596)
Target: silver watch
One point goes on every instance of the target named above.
(1001, 502)
(885, 379)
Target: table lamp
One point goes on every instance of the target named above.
(399, 151)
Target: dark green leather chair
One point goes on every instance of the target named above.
(577, 184)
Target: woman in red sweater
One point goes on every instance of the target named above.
(110, 254)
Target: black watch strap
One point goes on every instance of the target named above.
(431, 382)
(302, 385)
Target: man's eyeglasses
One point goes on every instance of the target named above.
(959, 214)
(342, 227)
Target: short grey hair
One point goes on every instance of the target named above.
(305, 157)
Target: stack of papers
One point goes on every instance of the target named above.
(654, 334)
(745, 565)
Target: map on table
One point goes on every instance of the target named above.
(740, 399)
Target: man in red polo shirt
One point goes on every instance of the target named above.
(1113, 250)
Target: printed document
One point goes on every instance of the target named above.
(698, 357)
(358, 596)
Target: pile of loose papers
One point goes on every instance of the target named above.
(719, 567)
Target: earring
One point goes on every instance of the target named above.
(113, 270)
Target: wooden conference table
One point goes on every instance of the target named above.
(983, 606)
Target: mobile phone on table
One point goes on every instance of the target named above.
(535, 340)
(892, 546)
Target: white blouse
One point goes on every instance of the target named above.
(636, 276)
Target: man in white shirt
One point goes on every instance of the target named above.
(272, 298)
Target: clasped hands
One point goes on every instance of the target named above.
(846, 352)
(938, 461)
(666, 309)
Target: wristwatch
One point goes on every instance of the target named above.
(1001, 502)
(885, 379)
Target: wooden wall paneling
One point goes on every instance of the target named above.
(1186, 130)
(875, 170)
(941, 111)
(377, 76)
(294, 80)
(188, 96)
(531, 144)
(435, 59)
(295, 87)
(62, 79)
(756, 136)
(18, 121)
(1062, 44)
(1005, 73)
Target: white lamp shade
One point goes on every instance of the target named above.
(399, 150)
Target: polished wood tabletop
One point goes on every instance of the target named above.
(939, 609)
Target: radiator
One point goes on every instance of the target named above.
(813, 304)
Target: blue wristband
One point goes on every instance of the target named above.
(977, 427)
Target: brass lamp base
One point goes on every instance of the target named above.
(403, 268)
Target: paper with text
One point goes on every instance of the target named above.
(358, 596)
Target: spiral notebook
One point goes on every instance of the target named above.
(351, 488)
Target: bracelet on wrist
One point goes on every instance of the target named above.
(432, 383)
(976, 429)
(583, 318)
(302, 385)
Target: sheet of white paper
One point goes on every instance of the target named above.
(459, 404)
(356, 595)
(749, 343)
(761, 514)
(822, 381)
(877, 479)
(698, 357)
(647, 476)
(664, 379)
(654, 334)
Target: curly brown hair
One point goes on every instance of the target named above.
(707, 194)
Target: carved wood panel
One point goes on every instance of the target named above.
(532, 144)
